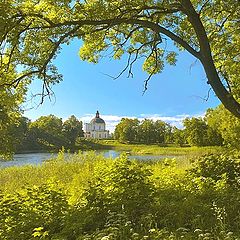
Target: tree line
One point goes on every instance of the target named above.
(46, 133)
(50, 133)
(218, 127)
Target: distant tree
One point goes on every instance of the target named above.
(147, 132)
(214, 137)
(72, 129)
(16, 130)
(127, 130)
(163, 132)
(46, 132)
(196, 131)
(199, 133)
(178, 136)
(20, 133)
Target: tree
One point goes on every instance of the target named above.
(72, 129)
(196, 131)
(20, 133)
(199, 133)
(163, 132)
(214, 137)
(179, 136)
(147, 133)
(226, 124)
(10, 110)
(46, 133)
(33, 31)
(154, 132)
(127, 130)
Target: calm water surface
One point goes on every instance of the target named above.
(39, 158)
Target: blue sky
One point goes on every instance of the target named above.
(177, 92)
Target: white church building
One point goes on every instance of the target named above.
(96, 129)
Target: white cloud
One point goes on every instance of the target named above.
(112, 120)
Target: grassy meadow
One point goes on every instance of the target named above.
(155, 149)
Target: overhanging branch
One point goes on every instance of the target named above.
(144, 23)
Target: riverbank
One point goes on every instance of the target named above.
(88, 196)
(135, 149)
(167, 149)
(81, 145)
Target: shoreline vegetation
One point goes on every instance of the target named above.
(160, 149)
(137, 149)
(91, 197)
(50, 133)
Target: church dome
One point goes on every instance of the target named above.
(97, 119)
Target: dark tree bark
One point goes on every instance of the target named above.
(207, 61)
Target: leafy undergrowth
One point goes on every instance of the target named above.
(88, 197)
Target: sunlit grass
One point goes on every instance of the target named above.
(64, 168)
(100, 196)
(170, 149)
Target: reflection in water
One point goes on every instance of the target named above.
(38, 158)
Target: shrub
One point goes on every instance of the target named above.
(217, 166)
(35, 212)
(121, 187)
(216, 183)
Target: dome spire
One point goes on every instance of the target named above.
(97, 114)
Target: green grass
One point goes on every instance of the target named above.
(60, 169)
(87, 196)
(170, 149)
(64, 171)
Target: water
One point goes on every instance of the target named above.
(27, 159)
(39, 158)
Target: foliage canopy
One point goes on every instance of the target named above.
(33, 31)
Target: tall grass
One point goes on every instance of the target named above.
(87, 196)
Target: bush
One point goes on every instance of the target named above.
(217, 166)
(120, 189)
(215, 182)
(35, 212)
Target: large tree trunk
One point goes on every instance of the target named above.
(207, 61)
(225, 97)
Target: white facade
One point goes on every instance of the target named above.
(96, 129)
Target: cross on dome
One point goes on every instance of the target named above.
(97, 114)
